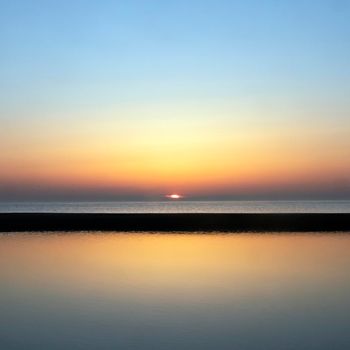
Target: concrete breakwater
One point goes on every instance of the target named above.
(19, 222)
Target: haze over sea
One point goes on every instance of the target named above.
(180, 207)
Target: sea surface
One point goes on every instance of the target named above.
(152, 291)
(181, 206)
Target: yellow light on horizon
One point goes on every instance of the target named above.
(174, 196)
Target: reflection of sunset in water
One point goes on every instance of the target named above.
(174, 291)
(174, 264)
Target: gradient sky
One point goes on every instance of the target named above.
(210, 99)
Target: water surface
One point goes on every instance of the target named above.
(181, 206)
(174, 291)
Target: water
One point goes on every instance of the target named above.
(174, 291)
(182, 207)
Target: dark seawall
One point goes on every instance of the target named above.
(16, 222)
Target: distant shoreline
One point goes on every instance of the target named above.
(237, 222)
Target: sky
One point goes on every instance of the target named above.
(209, 99)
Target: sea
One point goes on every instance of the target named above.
(175, 291)
(180, 206)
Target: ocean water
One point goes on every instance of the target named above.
(182, 207)
(104, 291)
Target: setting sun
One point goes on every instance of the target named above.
(174, 196)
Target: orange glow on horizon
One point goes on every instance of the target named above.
(198, 157)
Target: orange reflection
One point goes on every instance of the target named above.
(176, 265)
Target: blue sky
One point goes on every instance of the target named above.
(134, 50)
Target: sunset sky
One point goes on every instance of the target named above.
(208, 99)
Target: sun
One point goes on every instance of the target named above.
(174, 196)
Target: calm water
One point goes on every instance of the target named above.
(183, 207)
(171, 291)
